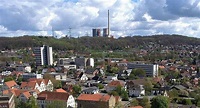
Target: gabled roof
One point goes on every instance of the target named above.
(39, 81)
(26, 94)
(46, 95)
(11, 84)
(136, 82)
(116, 83)
(30, 85)
(94, 97)
(61, 90)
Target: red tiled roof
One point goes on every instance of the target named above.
(46, 95)
(116, 83)
(27, 94)
(94, 97)
(17, 92)
(10, 84)
(61, 90)
(30, 85)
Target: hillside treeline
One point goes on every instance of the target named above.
(95, 43)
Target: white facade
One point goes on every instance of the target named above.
(43, 55)
(137, 91)
(91, 62)
(150, 69)
(84, 77)
(71, 102)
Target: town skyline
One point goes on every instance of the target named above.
(79, 17)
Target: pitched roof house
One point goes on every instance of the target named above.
(97, 100)
(46, 97)
(38, 84)
(10, 85)
(114, 84)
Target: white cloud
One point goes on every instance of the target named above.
(127, 17)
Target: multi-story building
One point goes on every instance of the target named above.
(150, 69)
(43, 55)
(83, 62)
(105, 32)
(96, 32)
(7, 101)
(65, 100)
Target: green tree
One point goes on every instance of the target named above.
(134, 102)
(137, 73)
(148, 86)
(9, 78)
(187, 102)
(32, 102)
(100, 86)
(57, 104)
(76, 90)
(160, 102)
(144, 102)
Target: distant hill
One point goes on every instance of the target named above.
(95, 43)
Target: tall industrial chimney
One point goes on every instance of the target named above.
(108, 24)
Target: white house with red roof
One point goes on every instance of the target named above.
(45, 98)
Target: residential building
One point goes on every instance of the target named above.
(23, 68)
(135, 87)
(27, 76)
(114, 84)
(150, 69)
(10, 85)
(96, 100)
(37, 84)
(43, 55)
(91, 90)
(45, 98)
(7, 101)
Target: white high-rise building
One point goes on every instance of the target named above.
(43, 55)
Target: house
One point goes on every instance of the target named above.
(7, 101)
(95, 100)
(114, 84)
(38, 84)
(58, 76)
(10, 85)
(91, 90)
(135, 87)
(24, 96)
(23, 68)
(61, 90)
(46, 97)
(81, 76)
(27, 76)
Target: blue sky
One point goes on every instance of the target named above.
(127, 17)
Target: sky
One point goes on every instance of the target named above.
(79, 17)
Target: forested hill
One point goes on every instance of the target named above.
(95, 43)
